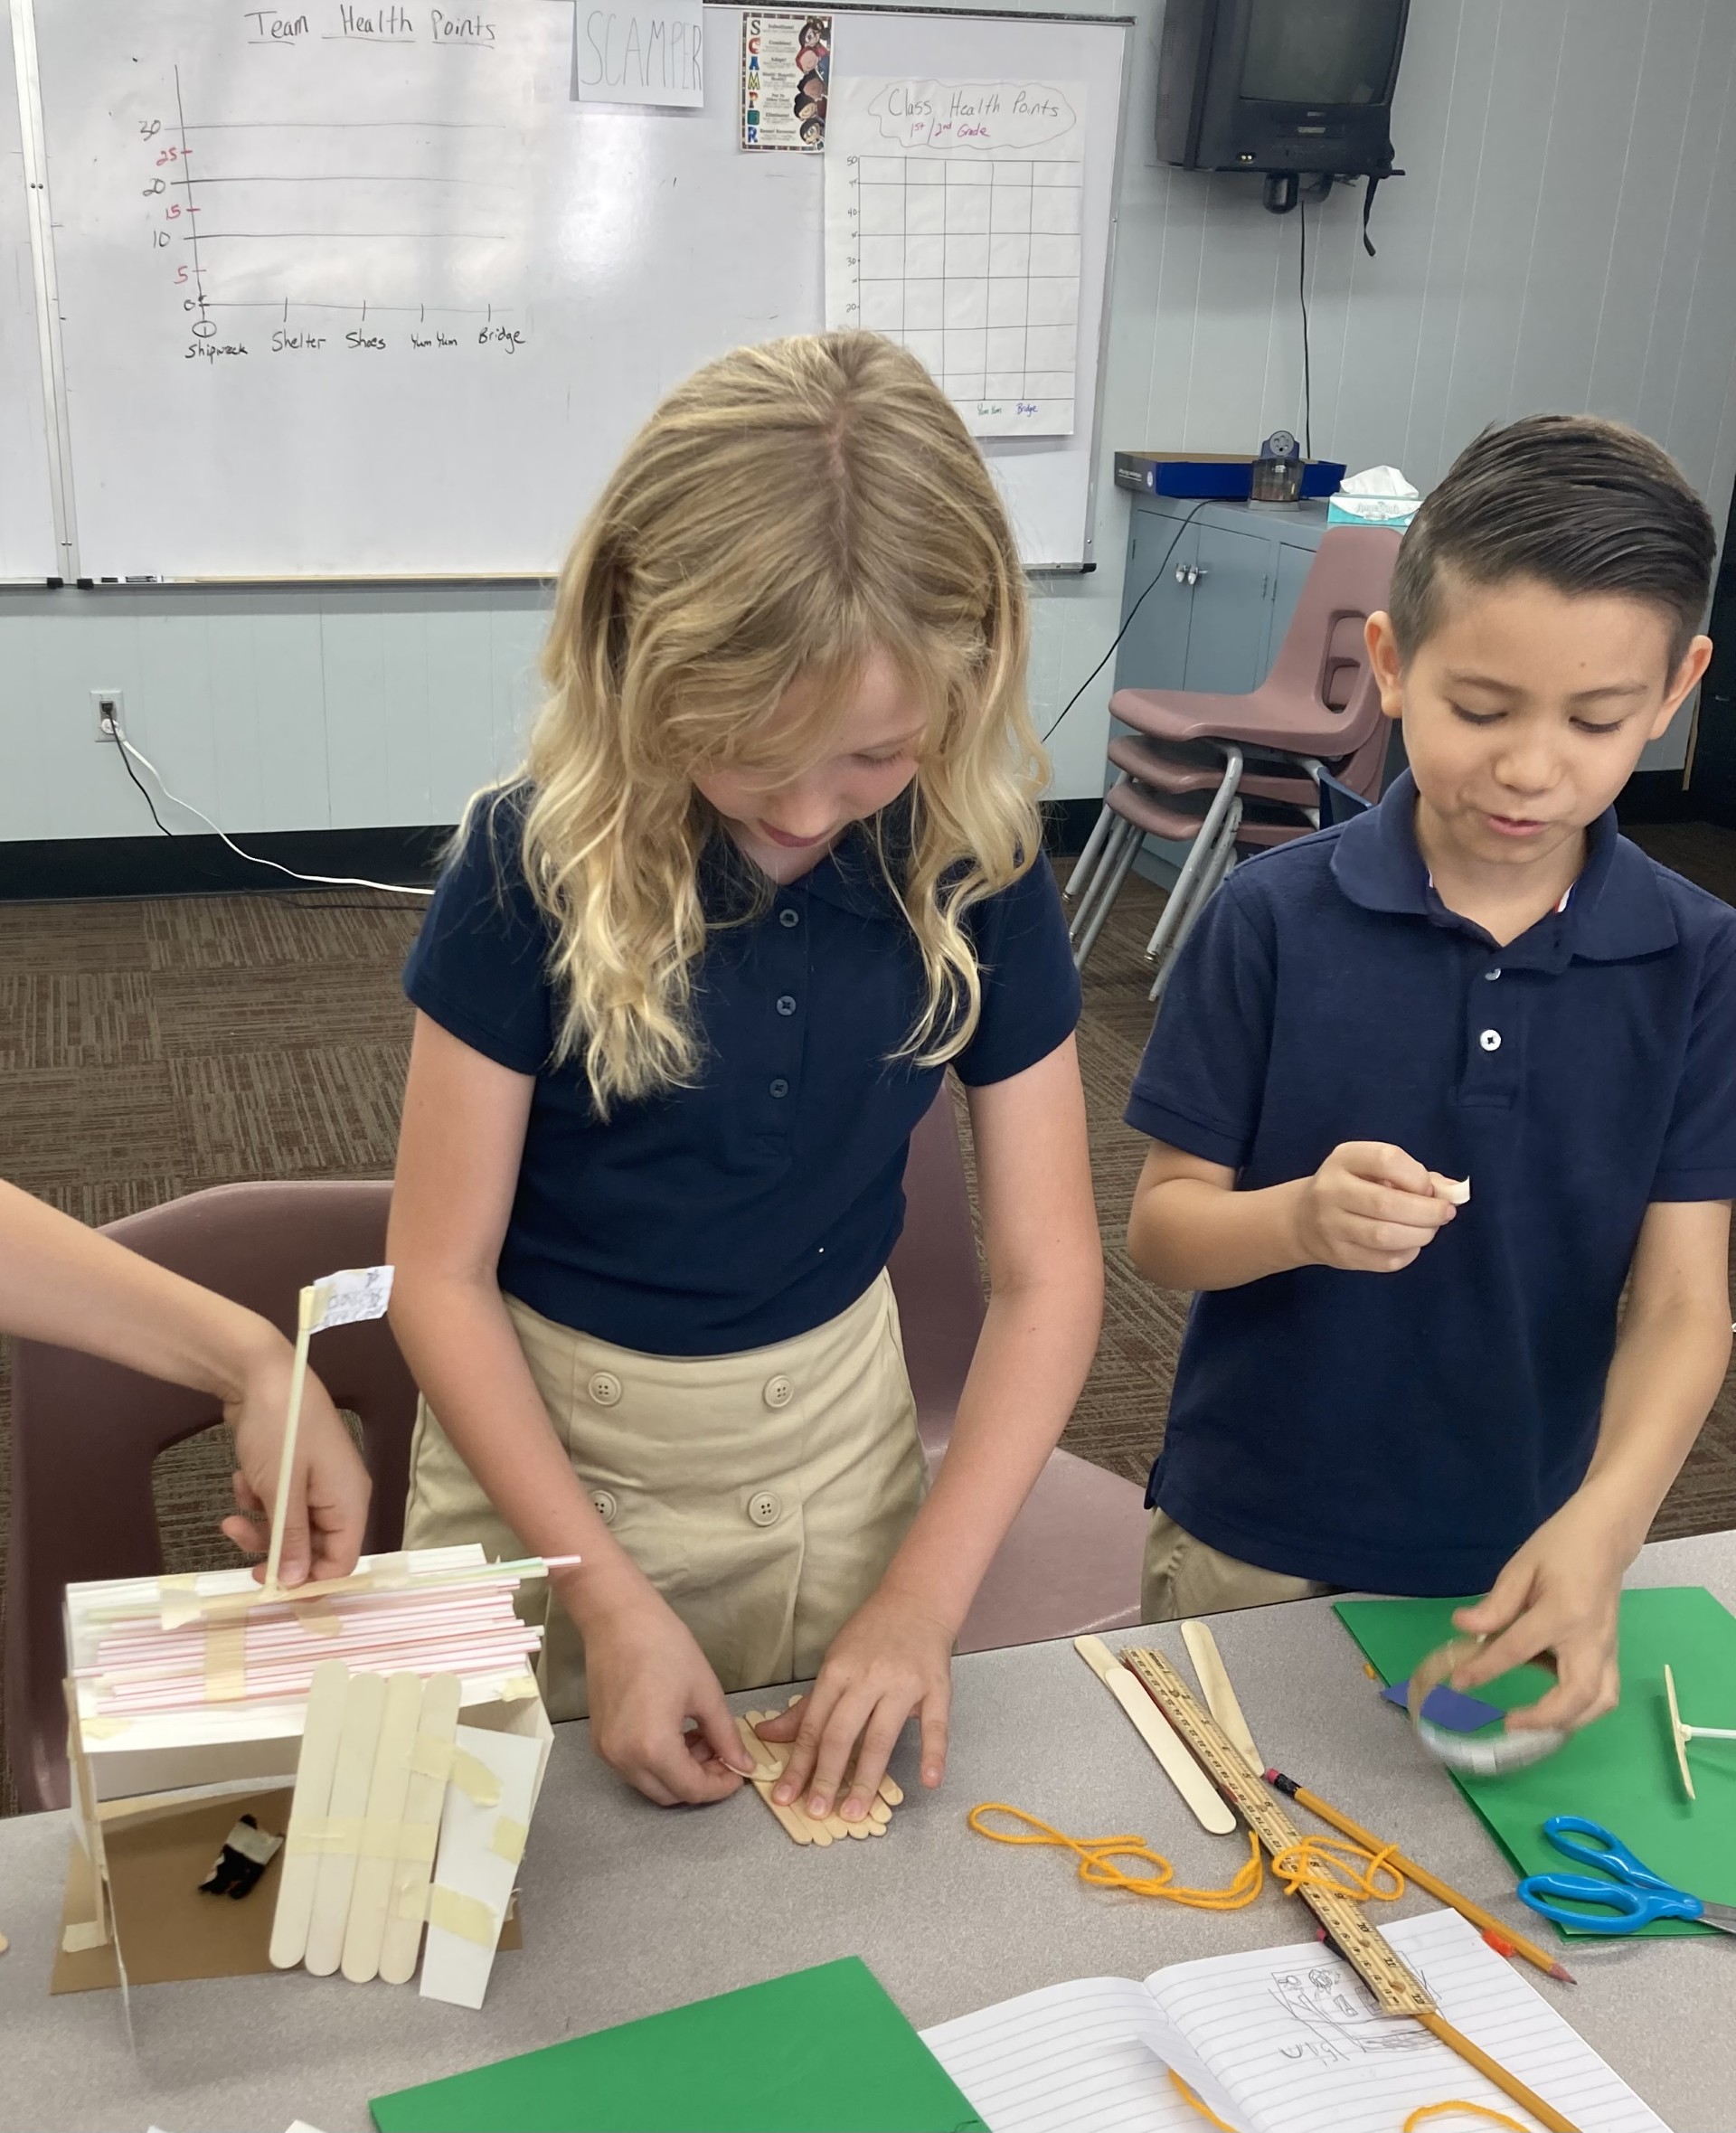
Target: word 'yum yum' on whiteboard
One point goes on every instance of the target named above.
(971, 114)
(649, 53)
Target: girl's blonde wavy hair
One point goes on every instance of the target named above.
(790, 511)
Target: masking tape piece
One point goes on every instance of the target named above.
(105, 1729)
(475, 1779)
(358, 1836)
(225, 1663)
(75, 1940)
(431, 1758)
(508, 1839)
(519, 1687)
(319, 1618)
(468, 1917)
(325, 1837)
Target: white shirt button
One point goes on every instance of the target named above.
(764, 1507)
(779, 1391)
(1490, 1040)
(785, 1002)
(780, 1087)
(790, 918)
(605, 1388)
(1493, 974)
(604, 1504)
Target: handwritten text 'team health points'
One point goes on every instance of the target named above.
(367, 24)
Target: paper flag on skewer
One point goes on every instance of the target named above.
(352, 1294)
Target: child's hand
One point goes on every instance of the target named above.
(1558, 1596)
(892, 1657)
(648, 1677)
(1370, 1209)
(328, 1489)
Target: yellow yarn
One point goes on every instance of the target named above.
(1312, 1863)
(1417, 2118)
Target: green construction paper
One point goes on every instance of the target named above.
(1620, 1771)
(823, 2050)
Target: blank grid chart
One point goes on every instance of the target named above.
(973, 264)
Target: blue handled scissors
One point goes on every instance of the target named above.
(1629, 1893)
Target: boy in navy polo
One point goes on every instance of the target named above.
(1480, 980)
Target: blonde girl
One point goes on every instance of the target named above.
(773, 863)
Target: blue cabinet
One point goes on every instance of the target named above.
(1227, 583)
(1220, 587)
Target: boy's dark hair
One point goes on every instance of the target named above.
(1583, 505)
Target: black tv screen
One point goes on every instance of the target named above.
(1320, 52)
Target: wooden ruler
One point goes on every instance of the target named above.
(1397, 1991)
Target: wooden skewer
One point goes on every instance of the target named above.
(1493, 2071)
(292, 1423)
(1443, 1891)
(1219, 1697)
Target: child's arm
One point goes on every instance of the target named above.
(1560, 1592)
(1045, 1267)
(61, 1282)
(458, 1154)
(1369, 1208)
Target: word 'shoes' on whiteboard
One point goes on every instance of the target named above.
(641, 52)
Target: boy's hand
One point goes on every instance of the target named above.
(646, 1678)
(1558, 1596)
(328, 1489)
(1369, 1209)
(891, 1658)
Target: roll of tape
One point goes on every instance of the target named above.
(1484, 1755)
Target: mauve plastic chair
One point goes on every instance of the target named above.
(1070, 1563)
(85, 1432)
(1319, 706)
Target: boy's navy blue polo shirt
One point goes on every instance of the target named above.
(1407, 1432)
(764, 1201)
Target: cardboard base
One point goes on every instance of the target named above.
(157, 1856)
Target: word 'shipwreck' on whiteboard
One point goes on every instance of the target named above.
(640, 52)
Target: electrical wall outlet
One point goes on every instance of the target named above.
(109, 706)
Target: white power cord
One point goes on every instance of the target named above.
(252, 858)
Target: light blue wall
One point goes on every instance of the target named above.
(1557, 244)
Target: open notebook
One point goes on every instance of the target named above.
(1280, 2040)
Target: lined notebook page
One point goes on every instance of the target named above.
(1294, 2039)
(1071, 2059)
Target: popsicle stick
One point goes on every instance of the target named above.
(364, 1935)
(351, 1783)
(1679, 1734)
(1219, 1697)
(891, 1791)
(313, 1798)
(1202, 1796)
(402, 1943)
(292, 1423)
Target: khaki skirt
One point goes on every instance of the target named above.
(762, 1493)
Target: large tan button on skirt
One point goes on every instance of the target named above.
(762, 1493)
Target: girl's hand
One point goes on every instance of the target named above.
(328, 1489)
(648, 1678)
(1558, 1596)
(892, 1657)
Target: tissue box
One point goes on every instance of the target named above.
(1372, 511)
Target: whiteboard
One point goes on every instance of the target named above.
(358, 305)
(27, 543)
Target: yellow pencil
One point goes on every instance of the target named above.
(1484, 1921)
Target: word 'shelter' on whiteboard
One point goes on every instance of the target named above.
(980, 114)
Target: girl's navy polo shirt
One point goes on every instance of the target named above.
(1406, 1432)
(762, 1201)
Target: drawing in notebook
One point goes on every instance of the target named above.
(1278, 2040)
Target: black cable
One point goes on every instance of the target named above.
(264, 889)
(1302, 291)
(1132, 611)
(127, 765)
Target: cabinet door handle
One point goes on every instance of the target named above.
(1194, 573)
(1181, 574)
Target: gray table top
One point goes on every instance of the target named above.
(629, 1909)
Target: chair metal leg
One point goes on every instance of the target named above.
(1086, 863)
(1211, 877)
(1119, 831)
(1204, 846)
(1113, 877)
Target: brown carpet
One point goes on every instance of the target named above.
(153, 1048)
